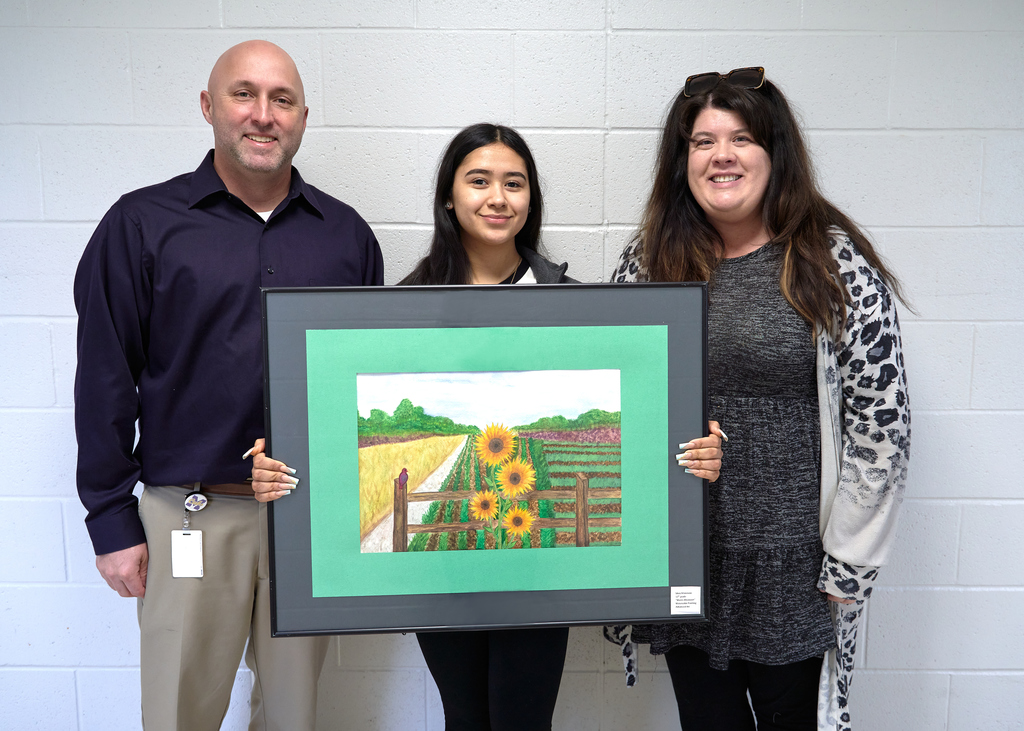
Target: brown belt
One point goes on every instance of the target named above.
(244, 489)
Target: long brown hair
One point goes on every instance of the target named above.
(446, 261)
(678, 244)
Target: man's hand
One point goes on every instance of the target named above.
(270, 479)
(125, 570)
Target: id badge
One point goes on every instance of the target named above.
(187, 554)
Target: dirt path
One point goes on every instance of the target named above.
(379, 539)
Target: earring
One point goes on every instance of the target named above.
(448, 205)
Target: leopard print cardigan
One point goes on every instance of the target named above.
(865, 447)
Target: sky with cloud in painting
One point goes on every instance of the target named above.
(511, 398)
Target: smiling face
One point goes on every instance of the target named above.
(727, 170)
(256, 105)
(491, 196)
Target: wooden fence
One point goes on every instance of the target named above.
(582, 495)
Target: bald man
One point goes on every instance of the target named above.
(170, 339)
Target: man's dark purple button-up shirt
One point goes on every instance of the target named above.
(169, 332)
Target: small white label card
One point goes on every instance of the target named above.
(187, 554)
(685, 600)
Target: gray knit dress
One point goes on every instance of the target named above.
(765, 550)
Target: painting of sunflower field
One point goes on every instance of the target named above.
(489, 461)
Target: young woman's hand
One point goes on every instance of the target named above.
(703, 457)
(270, 479)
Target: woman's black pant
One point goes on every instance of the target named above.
(783, 697)
(497, 680)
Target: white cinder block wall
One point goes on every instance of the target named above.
(914, 110)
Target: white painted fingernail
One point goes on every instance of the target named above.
(291, 480)
(691, 472)
(684, 463)
(723, 435)
(290, 470)
(686, 446)
(248, 454)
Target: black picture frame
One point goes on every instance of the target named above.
(289, 314)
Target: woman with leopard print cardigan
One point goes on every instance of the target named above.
(734, 197)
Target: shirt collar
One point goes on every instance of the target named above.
(206, 182)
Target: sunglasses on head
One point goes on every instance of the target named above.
(750, 77)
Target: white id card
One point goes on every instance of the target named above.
(186, 554)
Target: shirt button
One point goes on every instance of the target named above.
(270, 270)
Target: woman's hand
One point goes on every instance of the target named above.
(270, 479)
(703, 457)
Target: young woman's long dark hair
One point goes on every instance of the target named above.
(678, 244)
(446, 261)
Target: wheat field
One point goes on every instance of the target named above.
(380, 465)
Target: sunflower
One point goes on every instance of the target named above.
(495, 444)
(484, 505)
(517, 522)
(516, 477)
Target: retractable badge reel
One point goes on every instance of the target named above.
(186, 544)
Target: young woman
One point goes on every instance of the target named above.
(487, 219)
(805, 371)
(487, 216)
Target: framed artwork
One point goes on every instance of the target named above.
(485, 457)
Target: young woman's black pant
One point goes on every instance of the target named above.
(784, 697)
(497, 680)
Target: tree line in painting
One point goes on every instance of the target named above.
(411, 421)
(408, 422)
(593, 419)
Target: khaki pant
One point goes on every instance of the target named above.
(194, 630)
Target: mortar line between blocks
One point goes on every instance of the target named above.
(959, 541)
(981, 181)
(65, 534)
(949, 699)
(973, 321)
(797, 32)
(864, 658)
(78, 700)
(42, 182)
(993, 501)
(975, 412)
(607, 46)
(575, 129)
(1012, 672)
(53, 363)
(37, 319)
(426, 700)
(323, 83)
(974, 358)
(131, 78)
(422, 178)
(512, 43)
(947, 588)
(892, 81)
(32, 498)
(604, 145)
